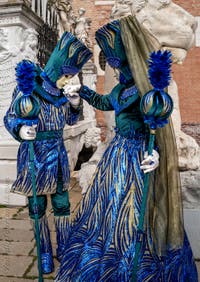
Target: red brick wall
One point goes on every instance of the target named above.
(187, 76)
(192, 6)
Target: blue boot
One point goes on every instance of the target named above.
(45, 246)
(62, 224)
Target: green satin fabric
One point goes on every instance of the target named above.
(48, 135)
(164, 212)
(60, 201)
(128, 118)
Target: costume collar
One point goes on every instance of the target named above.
(123, 97)
(50, 89)
(57, 101)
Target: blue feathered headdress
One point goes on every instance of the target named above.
(26, 104)
(159, 69)
(25, 76)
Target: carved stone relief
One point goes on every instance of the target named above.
(29, 45)
(11, 52)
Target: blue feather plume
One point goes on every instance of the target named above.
(25, 76)
(159, 69)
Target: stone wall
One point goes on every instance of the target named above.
(193, 130)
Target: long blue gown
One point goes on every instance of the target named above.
(102, 239)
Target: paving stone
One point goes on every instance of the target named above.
(8, 212)
(51, 222)
(23, 214)
(13, 279)
(53, 237)
(75, 197)
(15, 224)
(16, 248)
(14, 265)
(76, 188)
(34, 271)
(16, 235)
(198, 268)
(74, 209)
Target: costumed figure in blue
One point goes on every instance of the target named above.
(103, 239)
(38, 112)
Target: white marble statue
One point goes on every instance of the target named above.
(8, 57)
(82, 27)
(91, 139)
(178, 36)
(80, 23)
(121, 8)
(29, 45)
(65, 12)
(10, 54)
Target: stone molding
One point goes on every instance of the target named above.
(104, 2)
(18, 14)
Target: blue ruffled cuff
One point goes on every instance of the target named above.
(13, 125)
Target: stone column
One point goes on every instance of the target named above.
(18, 40)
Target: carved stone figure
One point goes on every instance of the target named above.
(82, 27)
(10, 55)
(121, 8)
(154, 16)
(65, 12)
(29, 45)
(8, 58)
(80, 22)
(92, 137)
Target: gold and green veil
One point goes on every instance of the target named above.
(164, 212)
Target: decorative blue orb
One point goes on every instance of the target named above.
(26, 106)
(156, 106)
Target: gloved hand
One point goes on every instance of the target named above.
(150, 162)
(27, 132)
(71, 91)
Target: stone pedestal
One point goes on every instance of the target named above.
(192, 227)
(8, 153)
(74, 139)
(191, 201)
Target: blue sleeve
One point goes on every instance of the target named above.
(100, 102)
(12, 122)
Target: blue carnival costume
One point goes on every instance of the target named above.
(49, 108)
(102, 239)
